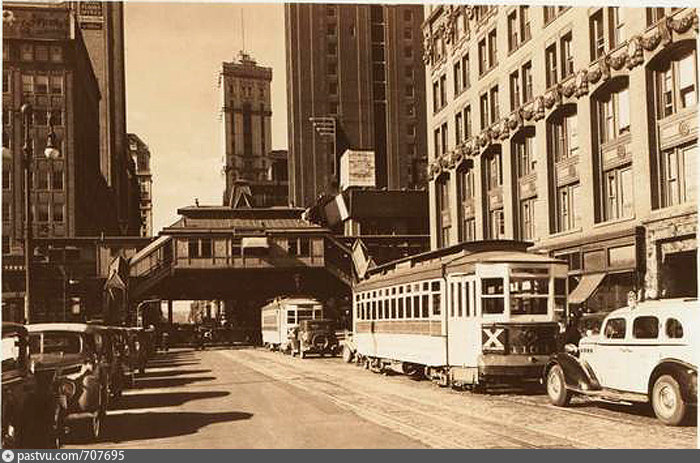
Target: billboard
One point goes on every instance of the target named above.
(357, 169)
(34, 23)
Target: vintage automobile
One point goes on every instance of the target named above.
(67, 352)
(314, 337)
(29, 418)
(646, 352)
(109, 357)
(122, 352)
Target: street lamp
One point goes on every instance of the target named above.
(52, 153)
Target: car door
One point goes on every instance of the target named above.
(642, 353)
(609, 352)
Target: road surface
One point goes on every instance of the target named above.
(251, 398)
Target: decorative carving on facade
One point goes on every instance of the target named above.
(568, 88)
(515, 120)
(551, 97)
(581, 83)
(428, 47)
(618, 59)
(635, 55)
(538, 108)
(681, 25)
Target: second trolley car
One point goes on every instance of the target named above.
(465, 315)
(282, 315)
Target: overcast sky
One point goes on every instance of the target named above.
(173, 54)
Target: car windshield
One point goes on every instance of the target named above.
(318, 325)
(56, 342)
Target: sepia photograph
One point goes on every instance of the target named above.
(351, 225)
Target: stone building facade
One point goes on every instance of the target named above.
(573, 128)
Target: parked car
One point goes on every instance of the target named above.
(314, 337)
(67, 352)
(646, 352)
(29, 418)
(122, 352)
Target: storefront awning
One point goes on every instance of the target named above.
(254, 242)
(586, 287)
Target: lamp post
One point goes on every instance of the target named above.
(52, 153)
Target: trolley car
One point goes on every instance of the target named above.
(282, 315)
(466, 315)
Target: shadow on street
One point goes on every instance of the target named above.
(164, 399)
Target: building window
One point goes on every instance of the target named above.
(465, 72)
(443, 137)
(493, 97)
(407, 15)
(41, 53)
(526, 72)
(494, 171)
(550, 12)
(617, 26)
(457, 71)
(56, 54)
(527, 219)
(40, 117)
(567, 57)
(57, 177)
(568, 214)
(42, 210)
(513, 31)
(484, 110)
(618, 193)
(525, 32)
(56, 85)
(514, 90)
(676, 83)
(483, 57)
(57, 212)
(443, 206)
(550, 55)
(57, 117)
(27, 83)
(678, 183)
(465, 191)
(443, 91)
(654, 15)
(496, 229)
(597, 35)
(6, 211)
(523, 150)
(436, 142)
(26, 52)
(563, 135)
(407, 33)
(436, 96)
(332, 68)
(614, 115)
(468, 122)
(493, 50)
(41, 177)
(459, 125)
(410, 110)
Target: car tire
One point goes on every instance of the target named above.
(558, 394)
(667, 401)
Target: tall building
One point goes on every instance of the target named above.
(593, 160)
(354, 74)
(141, 157)
(102, 28)
(46, 65)
(246, 111)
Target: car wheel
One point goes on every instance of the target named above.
(556, 387)
(667, 401)
(347, 354)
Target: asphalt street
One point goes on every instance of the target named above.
(252, 398)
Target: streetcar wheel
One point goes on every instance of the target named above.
(667, 401)
(556, 387)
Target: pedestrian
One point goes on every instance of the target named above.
(165, 341)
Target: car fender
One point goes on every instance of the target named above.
(685, 373)
(577, 375)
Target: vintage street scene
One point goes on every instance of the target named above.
(316, 225)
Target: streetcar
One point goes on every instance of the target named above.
(468, 315)
(282, 315)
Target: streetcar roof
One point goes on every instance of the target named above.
(462, 259)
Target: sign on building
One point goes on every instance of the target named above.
(20, 23)
(357, 169)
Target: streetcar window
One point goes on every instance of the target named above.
(408, 288)
(400, 289)
(466, 299)
(560, 286)
(416, 306)
(393, 307)
(435, 286)
(400, 314)
(291, 317)
(317, 313)
(529, 296)
(425, 303)
(409, 311)
(416, 287)
(492, 305)
(426, 286)
(380, 314)
(304, 314)
(491, 286)
(460, 297)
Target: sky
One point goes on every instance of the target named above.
(173, 54)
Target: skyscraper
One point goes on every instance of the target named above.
(102, 28)
(141, 157)
(359, 70)
(245, 116)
